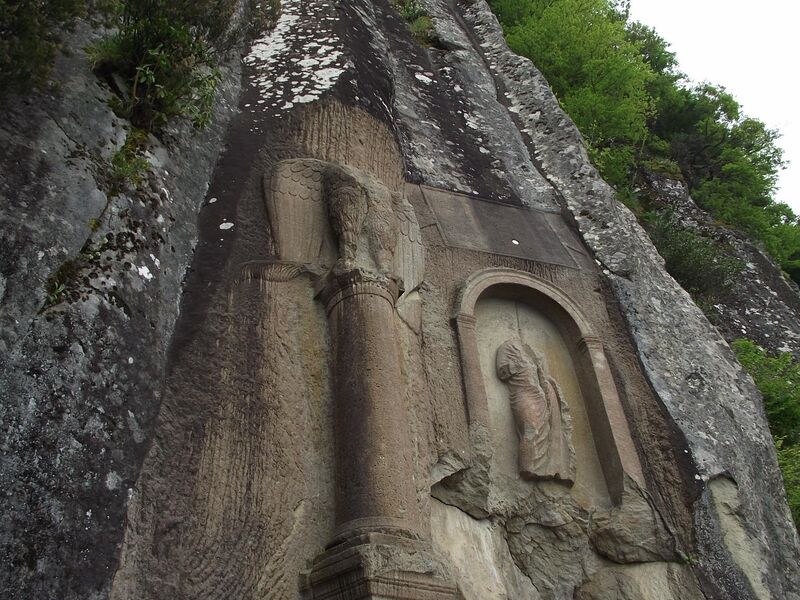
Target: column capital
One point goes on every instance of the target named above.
(338, 284)
(465, 320)
(590, 343)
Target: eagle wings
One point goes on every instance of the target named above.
(324, 213)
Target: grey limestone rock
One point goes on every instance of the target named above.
(150, 452)
(81, 364)
(763, 304)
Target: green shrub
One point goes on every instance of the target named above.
(698, 263)
(418, 19)
(778, 380)
(410, 10)
(789, 461)
(664, 166)
(29, 37)
(422, 28)
(166, 53)
(614, 162)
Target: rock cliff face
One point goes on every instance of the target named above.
(81, 367)
(763, 304)
(272, 371)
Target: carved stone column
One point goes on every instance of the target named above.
(609, 424)
(374, 470)
(378, 551)
(333, 219)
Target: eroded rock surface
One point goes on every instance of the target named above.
(81, 364)
(676, 492)
(764, 304)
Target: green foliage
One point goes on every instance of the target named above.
(689, 559)
(422, 28)
(127, 164)
(778, 379)
(166, 53)
(789, 462)
(621, 85)
(59, 287)
(699, 264)
(599, 76)
(418, 19)
(614, 162)
(654, 50)
(410, 10)
(29, 37)
(664, 166)
(56, 284)
(55, 293)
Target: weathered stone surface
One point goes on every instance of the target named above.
(479, 555)
(80, 371)
(763, 304)
(633, 533)
(236, 493)
(478, 224)
(653, 581)
(692, 371)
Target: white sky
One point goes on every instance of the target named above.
(750, 48)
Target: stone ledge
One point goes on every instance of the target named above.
(378, 567)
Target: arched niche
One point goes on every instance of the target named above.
(609, 428)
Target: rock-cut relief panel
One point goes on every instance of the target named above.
(538, 422)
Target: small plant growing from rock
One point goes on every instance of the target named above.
(56, 293)
(418, 20)
(410, 10)
(60, 286)
(127, 164)
(56, 285)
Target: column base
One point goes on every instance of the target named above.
(378, 566)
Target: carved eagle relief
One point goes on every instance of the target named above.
(329, 214)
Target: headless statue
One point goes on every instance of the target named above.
(540, 413)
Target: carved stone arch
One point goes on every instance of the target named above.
(609, 426)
